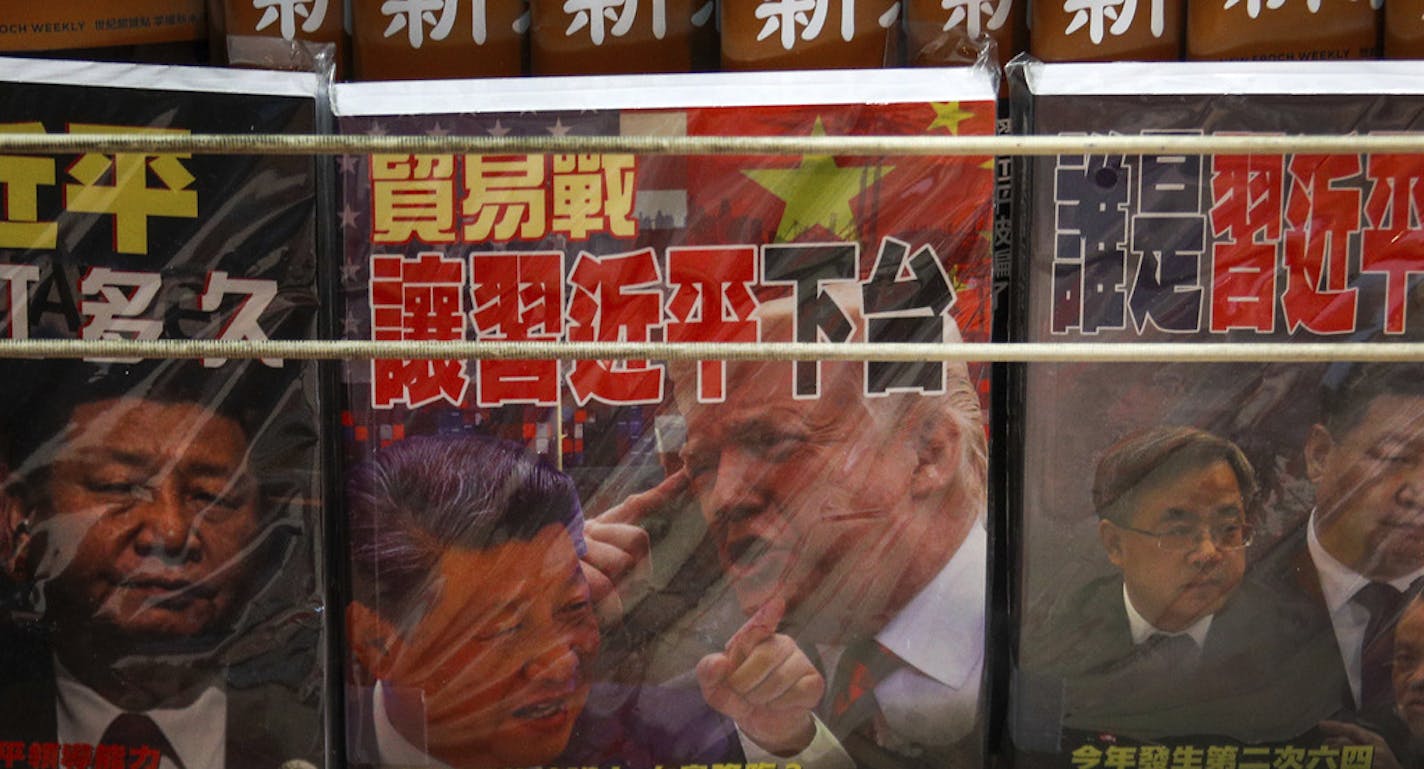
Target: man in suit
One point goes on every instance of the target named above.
(855, 523)
(1396, 732)
(1163, 648)
(1339, 582)
(144, 535)
(472, 633)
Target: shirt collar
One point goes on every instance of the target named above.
(1338, 582)
(392, 747)
(940, 632)
(1143, 630)
(198, 732)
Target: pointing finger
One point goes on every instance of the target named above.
(638, 507)
(759, 627)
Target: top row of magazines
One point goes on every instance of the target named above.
(496, 564)
(428, 39)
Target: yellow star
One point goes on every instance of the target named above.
(949, 115)
(817, 192)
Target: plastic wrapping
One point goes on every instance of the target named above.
(751, 535)
(286, 35)
(164, 581)
(1177, 518)
(940, 36)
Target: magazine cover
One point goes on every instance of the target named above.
(95, 24)
(654, 563)
(1219, 563)
(163, 594)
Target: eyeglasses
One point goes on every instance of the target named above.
(1226, 536)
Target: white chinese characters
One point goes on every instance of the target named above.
(437, 17)
(284, 13)
(1095, 15)
(593, 15)
(790, 19)
(972, 13)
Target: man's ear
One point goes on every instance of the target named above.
(1111, 537)
(938, 450)
(369, 637)
(1318, 446)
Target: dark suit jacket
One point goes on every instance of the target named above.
(1387, 724)
(1243, 687)
(628, 726)
(1307, 641)
(266, 725)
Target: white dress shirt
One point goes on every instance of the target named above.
(198, 733)
(934, 698)
(1143, 630)
(1338, 585)
(392, 747)
(395, 749)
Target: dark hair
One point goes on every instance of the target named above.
(417, 498)
(40, 400)
(1135, 462)
(1347, 391)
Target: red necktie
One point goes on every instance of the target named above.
(144, 740)
(861, 668)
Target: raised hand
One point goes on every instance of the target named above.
(765, 683)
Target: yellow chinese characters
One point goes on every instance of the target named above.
(127, 186)
(501, 198)
(21, 178)
(1222, 757)
(119, 185)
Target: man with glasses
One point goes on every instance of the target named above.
(1160, 648)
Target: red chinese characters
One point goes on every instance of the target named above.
(1246, 208)
(712, 302)
(1320, 217)
(517, 297)
(615, 299)
(417, 299)
(1394, 243)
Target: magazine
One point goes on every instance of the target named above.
(164, 590)
(1202, 544)
(750, 563)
